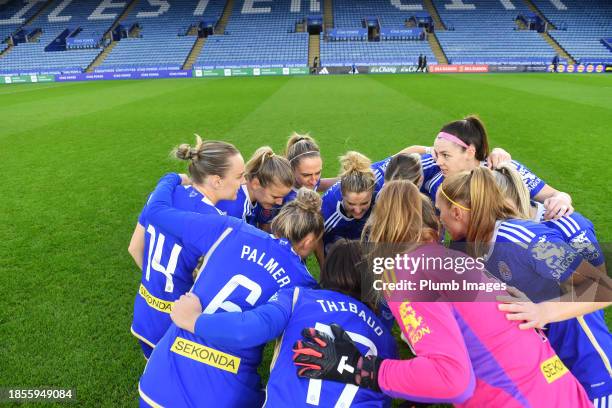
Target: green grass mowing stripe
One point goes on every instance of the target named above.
(588, 91)
(79, 160)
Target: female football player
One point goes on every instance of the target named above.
(268, 179)
(304, 155)
(346, 205)
(584, 344)
(402, 165)
(467, 353)
(241, 268)
(528, 256)
(338, 301)
(463, 145)
(216, 170)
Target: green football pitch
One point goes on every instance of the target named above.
(78, 160)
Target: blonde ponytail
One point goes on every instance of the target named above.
(512, 186)
(269, 168)
(477, 191)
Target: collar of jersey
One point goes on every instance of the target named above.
(248, 198)
(339, 208)
(205, 199)
(493, 239)
(539, 215)
(288, 244)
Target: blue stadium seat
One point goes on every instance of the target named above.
(581, 24)
(485, 32)
(263, 37)
(31, 57)
(262, 34)
(347, 53)
(350, 13)
(9, 23)
(163, 42)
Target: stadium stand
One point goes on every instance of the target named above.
(67, 36)
(350, 13)
(485, 32)
(62, 20)
(162, 41)
(15, 13)
(581, 26)
(259, 35)
(382, 50)
(347, 53)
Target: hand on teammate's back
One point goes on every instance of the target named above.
(531, 315)
(185, 180)
(185, 311)
(558, 206)
(497, 157)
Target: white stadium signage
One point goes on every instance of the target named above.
(110, 9)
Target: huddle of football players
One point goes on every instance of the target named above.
(222, 252)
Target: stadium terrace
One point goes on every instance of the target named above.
(71, 40)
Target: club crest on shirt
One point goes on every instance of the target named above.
(583, 245)
(556, 257)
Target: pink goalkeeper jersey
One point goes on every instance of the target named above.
(469, 354)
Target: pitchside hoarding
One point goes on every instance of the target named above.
(341, 70)
(122, 75)
(517, 68)
(579, 69)
(21, 79)
(393, 69)
(240, 72)
(458, 69)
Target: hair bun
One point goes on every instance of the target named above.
(354, 162)
(185, 152)
(308, 200)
